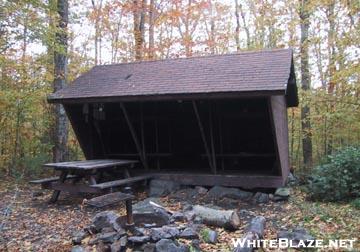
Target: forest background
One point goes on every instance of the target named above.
(324, 34)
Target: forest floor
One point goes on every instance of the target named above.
(28, 223)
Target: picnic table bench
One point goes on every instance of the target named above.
(91, 172)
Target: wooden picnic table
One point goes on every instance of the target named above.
(88, 170)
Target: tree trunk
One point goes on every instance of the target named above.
(332, 67)
(97, 38)
(212, 28)
(220, 218)
(139, 23)
(151, 29)
(237, 29)
(305, 84)
(60, 74)
(248, 42)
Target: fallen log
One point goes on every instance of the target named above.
(228, 219)
(255, 232)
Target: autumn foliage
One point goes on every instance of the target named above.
(102, 32)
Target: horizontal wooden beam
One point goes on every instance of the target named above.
(121, 182)
(192, 96)
(137, 154)
(70, 188)
(244, 181)
(52, 179)
(242, 154)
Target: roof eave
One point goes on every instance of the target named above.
(162, 97)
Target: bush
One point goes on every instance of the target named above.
(356, 203)
(339, 178)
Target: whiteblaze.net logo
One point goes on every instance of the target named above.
(286, 243)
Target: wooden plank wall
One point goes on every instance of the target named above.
(280, 120)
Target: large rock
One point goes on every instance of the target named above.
(178, 216)
(163, 233)
(107, 219)
(77, 249)
(261, 198)
(209, 235)
(255, 231)
(139, 239)
(160, 187)
(166, 245)
(185, 195)
(144, 206)
(219, 192)
(201, 190)
(195, 245)
(189, 233)
(149, 247)
(79, 236)
(282, 192)
(257, 226)
(292, 180)
(212, 237)
(119, 245)
(148, 215)
(102, 247)
(105, 238)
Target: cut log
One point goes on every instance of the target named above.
(228, 219)
(255, 231)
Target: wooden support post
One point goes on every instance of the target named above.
(221, 138)
(56, 193)
(133, 134)
(129, 213)
(142, 130)
(98, 131)
(277, 164)
(90, 120)
(203, 135)
(212, 139)
(157, 143)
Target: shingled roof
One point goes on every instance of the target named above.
(268, 72)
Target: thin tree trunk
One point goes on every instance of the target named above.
(248, 41)
(237, 29)
(139, 23)
(60, 74)
(332, 67)
(188, 38)
(151, 29)
(97, 39)
(305, 85)
(212, 28)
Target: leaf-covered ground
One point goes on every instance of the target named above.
(28, 223)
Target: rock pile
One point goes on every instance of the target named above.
(107, 232)
(159, 229)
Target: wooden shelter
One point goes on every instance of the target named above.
(214, 120)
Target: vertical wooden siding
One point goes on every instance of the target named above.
(279, 116)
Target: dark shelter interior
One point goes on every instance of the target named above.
(218, 136)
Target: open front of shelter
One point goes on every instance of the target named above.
(214, 120)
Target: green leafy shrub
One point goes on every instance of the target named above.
(356, 203)
(339, 178)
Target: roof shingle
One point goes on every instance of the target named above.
(268, 70)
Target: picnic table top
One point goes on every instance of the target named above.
(90, 164)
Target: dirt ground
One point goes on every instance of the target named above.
(29, 223)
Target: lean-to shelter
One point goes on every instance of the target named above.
(212, 120)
